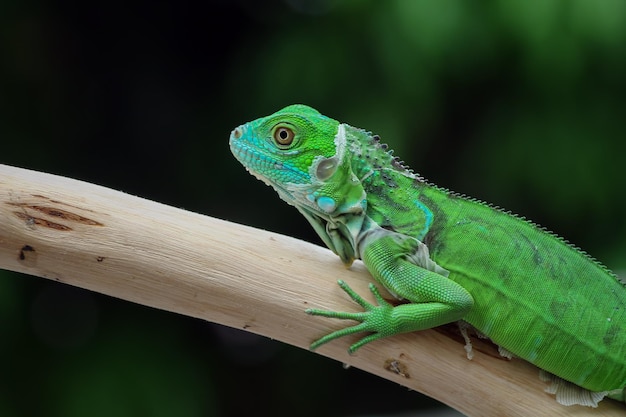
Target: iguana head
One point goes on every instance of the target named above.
(301, 154)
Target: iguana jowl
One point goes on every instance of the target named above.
(452, 258)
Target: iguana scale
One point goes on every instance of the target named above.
(450, 257)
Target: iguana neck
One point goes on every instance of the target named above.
(369, 156)
(395, 195)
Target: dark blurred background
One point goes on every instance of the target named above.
(520, 103)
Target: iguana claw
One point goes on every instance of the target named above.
(373, 319)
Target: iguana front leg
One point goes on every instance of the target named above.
(434, 299)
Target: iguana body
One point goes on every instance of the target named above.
(452, 258)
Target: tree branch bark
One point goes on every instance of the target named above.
(152, 254)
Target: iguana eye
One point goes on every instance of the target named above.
(283, 136)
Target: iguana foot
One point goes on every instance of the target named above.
(375, 318)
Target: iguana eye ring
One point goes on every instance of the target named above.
(284, 136)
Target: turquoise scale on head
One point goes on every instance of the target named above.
(327, 204)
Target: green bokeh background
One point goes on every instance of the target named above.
(518, 102)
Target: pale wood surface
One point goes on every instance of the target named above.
(148, 253)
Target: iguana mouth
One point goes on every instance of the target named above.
(257, 162)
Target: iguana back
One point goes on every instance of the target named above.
(534, 294)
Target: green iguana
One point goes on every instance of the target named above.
(451, 257)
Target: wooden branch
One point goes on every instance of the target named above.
(148, 253)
